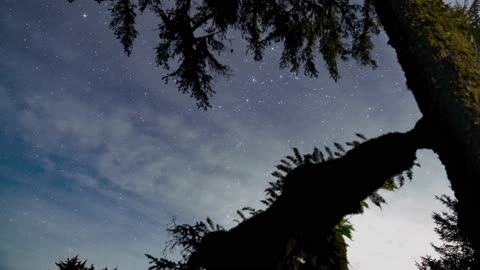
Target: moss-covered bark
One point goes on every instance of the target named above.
(442, 67)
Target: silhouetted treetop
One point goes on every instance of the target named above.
(456, 252)
(194, 33)
(76, 264)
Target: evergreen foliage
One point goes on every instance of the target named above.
(456, 252)
(193, 33)
(75, 264)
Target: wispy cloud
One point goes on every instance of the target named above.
(139, 150)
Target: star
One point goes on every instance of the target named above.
(84, 15)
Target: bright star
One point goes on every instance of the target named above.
(84, 15)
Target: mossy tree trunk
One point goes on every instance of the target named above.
(442, 67)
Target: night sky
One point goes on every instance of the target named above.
(97, 154)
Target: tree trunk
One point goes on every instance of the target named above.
(442, 67)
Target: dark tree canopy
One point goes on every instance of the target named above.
(194, 33)
(456, 252)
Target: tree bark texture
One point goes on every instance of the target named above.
(442, 66)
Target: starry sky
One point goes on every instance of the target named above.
(97, 154)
